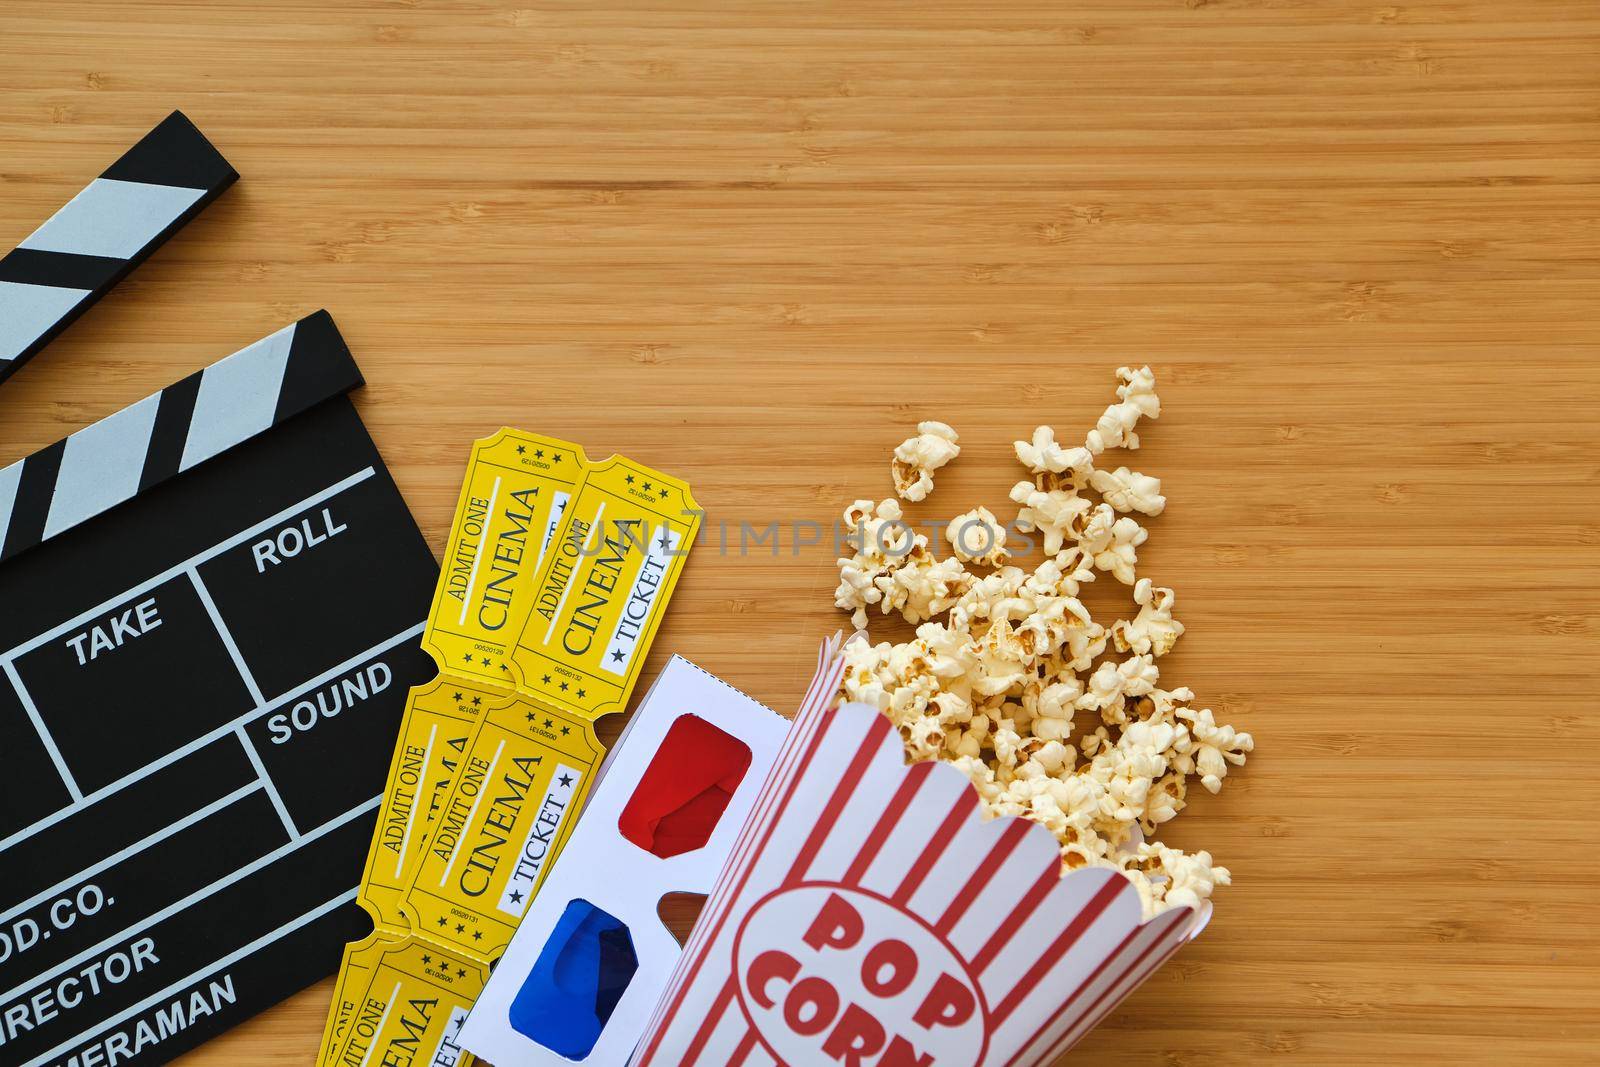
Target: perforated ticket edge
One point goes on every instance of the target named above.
(678, 516)
(489, 916)
(478, 581)
(381, 894)
(396, 955)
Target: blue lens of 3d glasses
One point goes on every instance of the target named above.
(575, 984)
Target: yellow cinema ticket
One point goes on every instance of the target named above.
(354, 973)
(604, 587)
(511, 808)
(517, 489)
(441, 720)
(416, 998)
(555, 578)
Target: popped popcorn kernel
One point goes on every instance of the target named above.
(1153, 630)
(1055, 513)
(1112, 543)
(916, 458)
(1006, 678)
(976, 536)
(1041, 454)
(923, 586)
(1136, 399)
(1127, 490)
(879, 537)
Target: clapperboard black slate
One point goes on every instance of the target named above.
(104, 232)
(209, 610)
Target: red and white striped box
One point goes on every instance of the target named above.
(870, 916)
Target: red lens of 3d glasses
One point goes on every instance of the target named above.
(681, 796)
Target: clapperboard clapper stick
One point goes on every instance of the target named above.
(212, 601)
(104, 232)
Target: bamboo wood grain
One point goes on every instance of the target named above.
(752, 244)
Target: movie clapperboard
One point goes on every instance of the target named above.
(209, 611)
(100, 235)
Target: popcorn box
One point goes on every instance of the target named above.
(869, 915)
(589, 962)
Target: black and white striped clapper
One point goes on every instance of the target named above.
(93, 242)
(185, 424)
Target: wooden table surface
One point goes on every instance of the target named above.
(752, 244)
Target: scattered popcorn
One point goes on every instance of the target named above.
(1112, 543)
(1137, 398)
(1114, 682)
(1051, 512)
(1215, 748)
(923, 587)
(1127, 490)
(1153, 630)
(916, 458)
(978, 537)
(1043, 455)
(879, 536)
(1005, 665)
(1189, 879)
